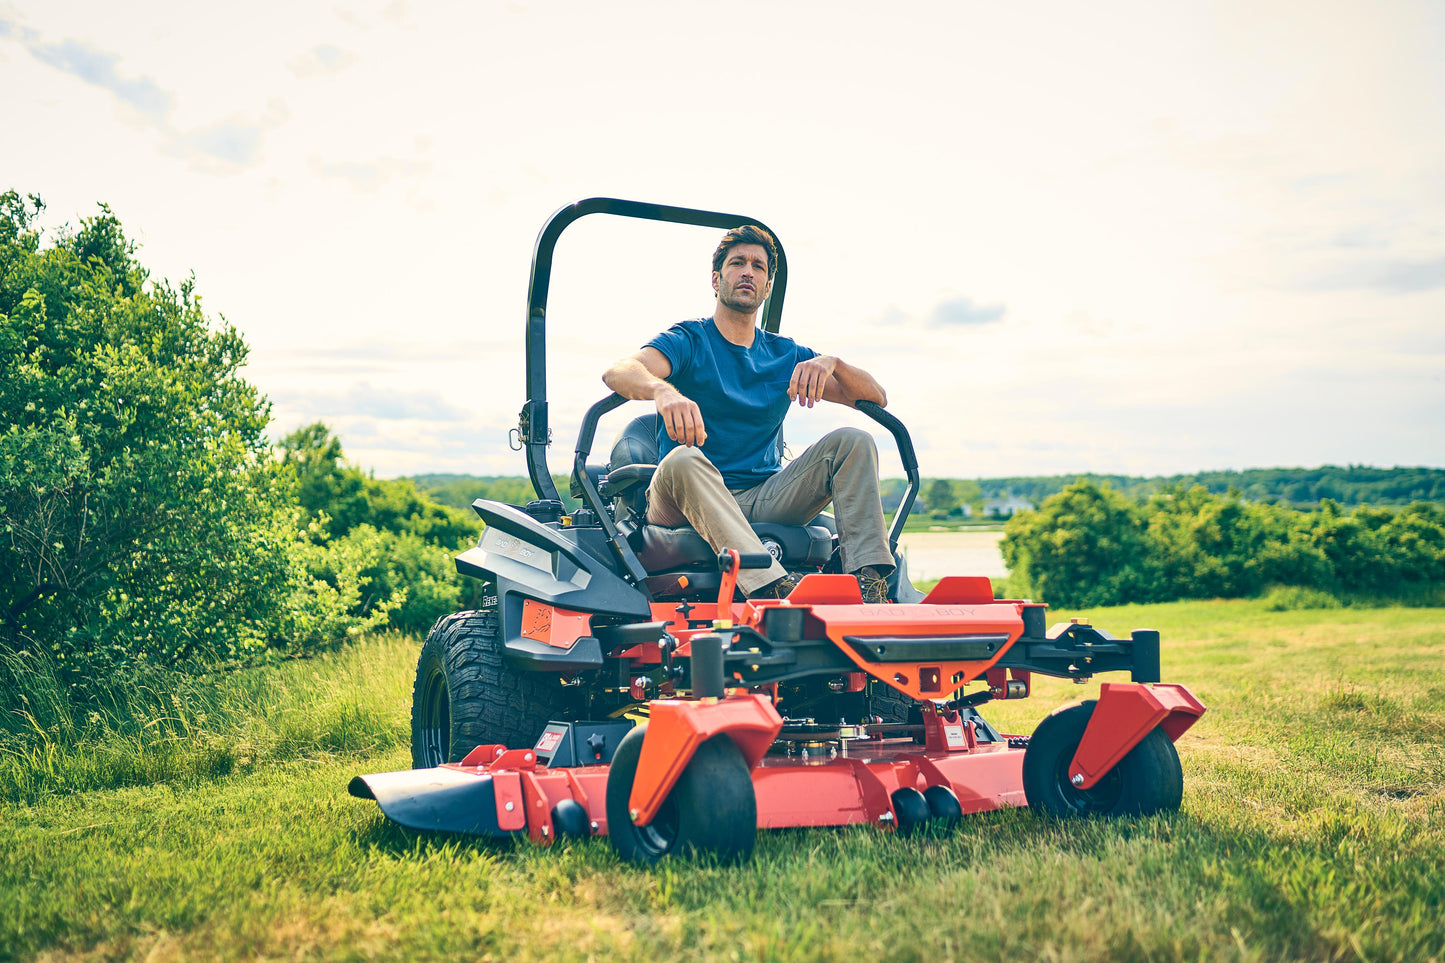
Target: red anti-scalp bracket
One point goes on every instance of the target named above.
(1125, 714)
(676, 727)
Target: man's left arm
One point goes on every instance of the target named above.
(827, 378)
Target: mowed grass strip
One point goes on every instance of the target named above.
(1313, 829)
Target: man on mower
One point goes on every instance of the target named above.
(722, 387)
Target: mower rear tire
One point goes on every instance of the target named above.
(890, 705)
(712, 809)
(466, 696)
(1148, 780)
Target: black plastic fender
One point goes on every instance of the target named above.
(560, 566)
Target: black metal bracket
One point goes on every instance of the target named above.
(1079, 651)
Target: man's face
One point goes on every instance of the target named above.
(743, 283)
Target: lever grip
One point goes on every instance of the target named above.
(745, 560)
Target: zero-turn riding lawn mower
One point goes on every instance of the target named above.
(815, 710)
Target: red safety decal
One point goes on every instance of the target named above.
(559, 628)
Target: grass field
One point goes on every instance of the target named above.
(216, 826)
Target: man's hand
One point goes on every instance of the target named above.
(680, 416)
(641, 378)
(810, 380)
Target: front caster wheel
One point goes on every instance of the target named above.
(910, 810)
(944, 806)
(1146, 781)
(712, 808)
(570, 820)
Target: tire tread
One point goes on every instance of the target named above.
(488, 701)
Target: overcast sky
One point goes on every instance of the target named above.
(1140, 238)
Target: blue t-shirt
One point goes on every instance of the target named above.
(743, 394)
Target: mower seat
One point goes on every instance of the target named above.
(630, 470)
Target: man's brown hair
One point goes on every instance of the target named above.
(747, 234)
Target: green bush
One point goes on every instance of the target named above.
(1089, 545)
(397, 541)
(1085, 546)
(145, 522)
(347, 497)
(143, 516)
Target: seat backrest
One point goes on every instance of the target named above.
(637, 445)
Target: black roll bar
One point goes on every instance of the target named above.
(533, 428)
(590, 496)
(910, 466)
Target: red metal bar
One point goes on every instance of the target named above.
(676, 727)
(1125, 714)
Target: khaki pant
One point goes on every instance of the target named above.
(842, 467)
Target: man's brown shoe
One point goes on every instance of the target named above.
(873, 586)
(780, 589)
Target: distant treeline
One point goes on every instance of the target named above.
(459, 491)
(1296, 487)
(1350, 485)
(1090, 545)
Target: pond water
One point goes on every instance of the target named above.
(933, 555)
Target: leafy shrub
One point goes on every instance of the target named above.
(396, 540)
(1089, 545)
(347, 497)
(143, 519)
(143, 516)
(1085, 546)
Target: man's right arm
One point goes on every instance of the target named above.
(642, 377)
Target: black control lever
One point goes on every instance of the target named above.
(969, 701)
(745, 560)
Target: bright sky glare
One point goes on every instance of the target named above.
(1119, 237)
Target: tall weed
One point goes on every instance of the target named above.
(167, 725)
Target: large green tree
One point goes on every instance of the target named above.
(143, 517)
(401, 539)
